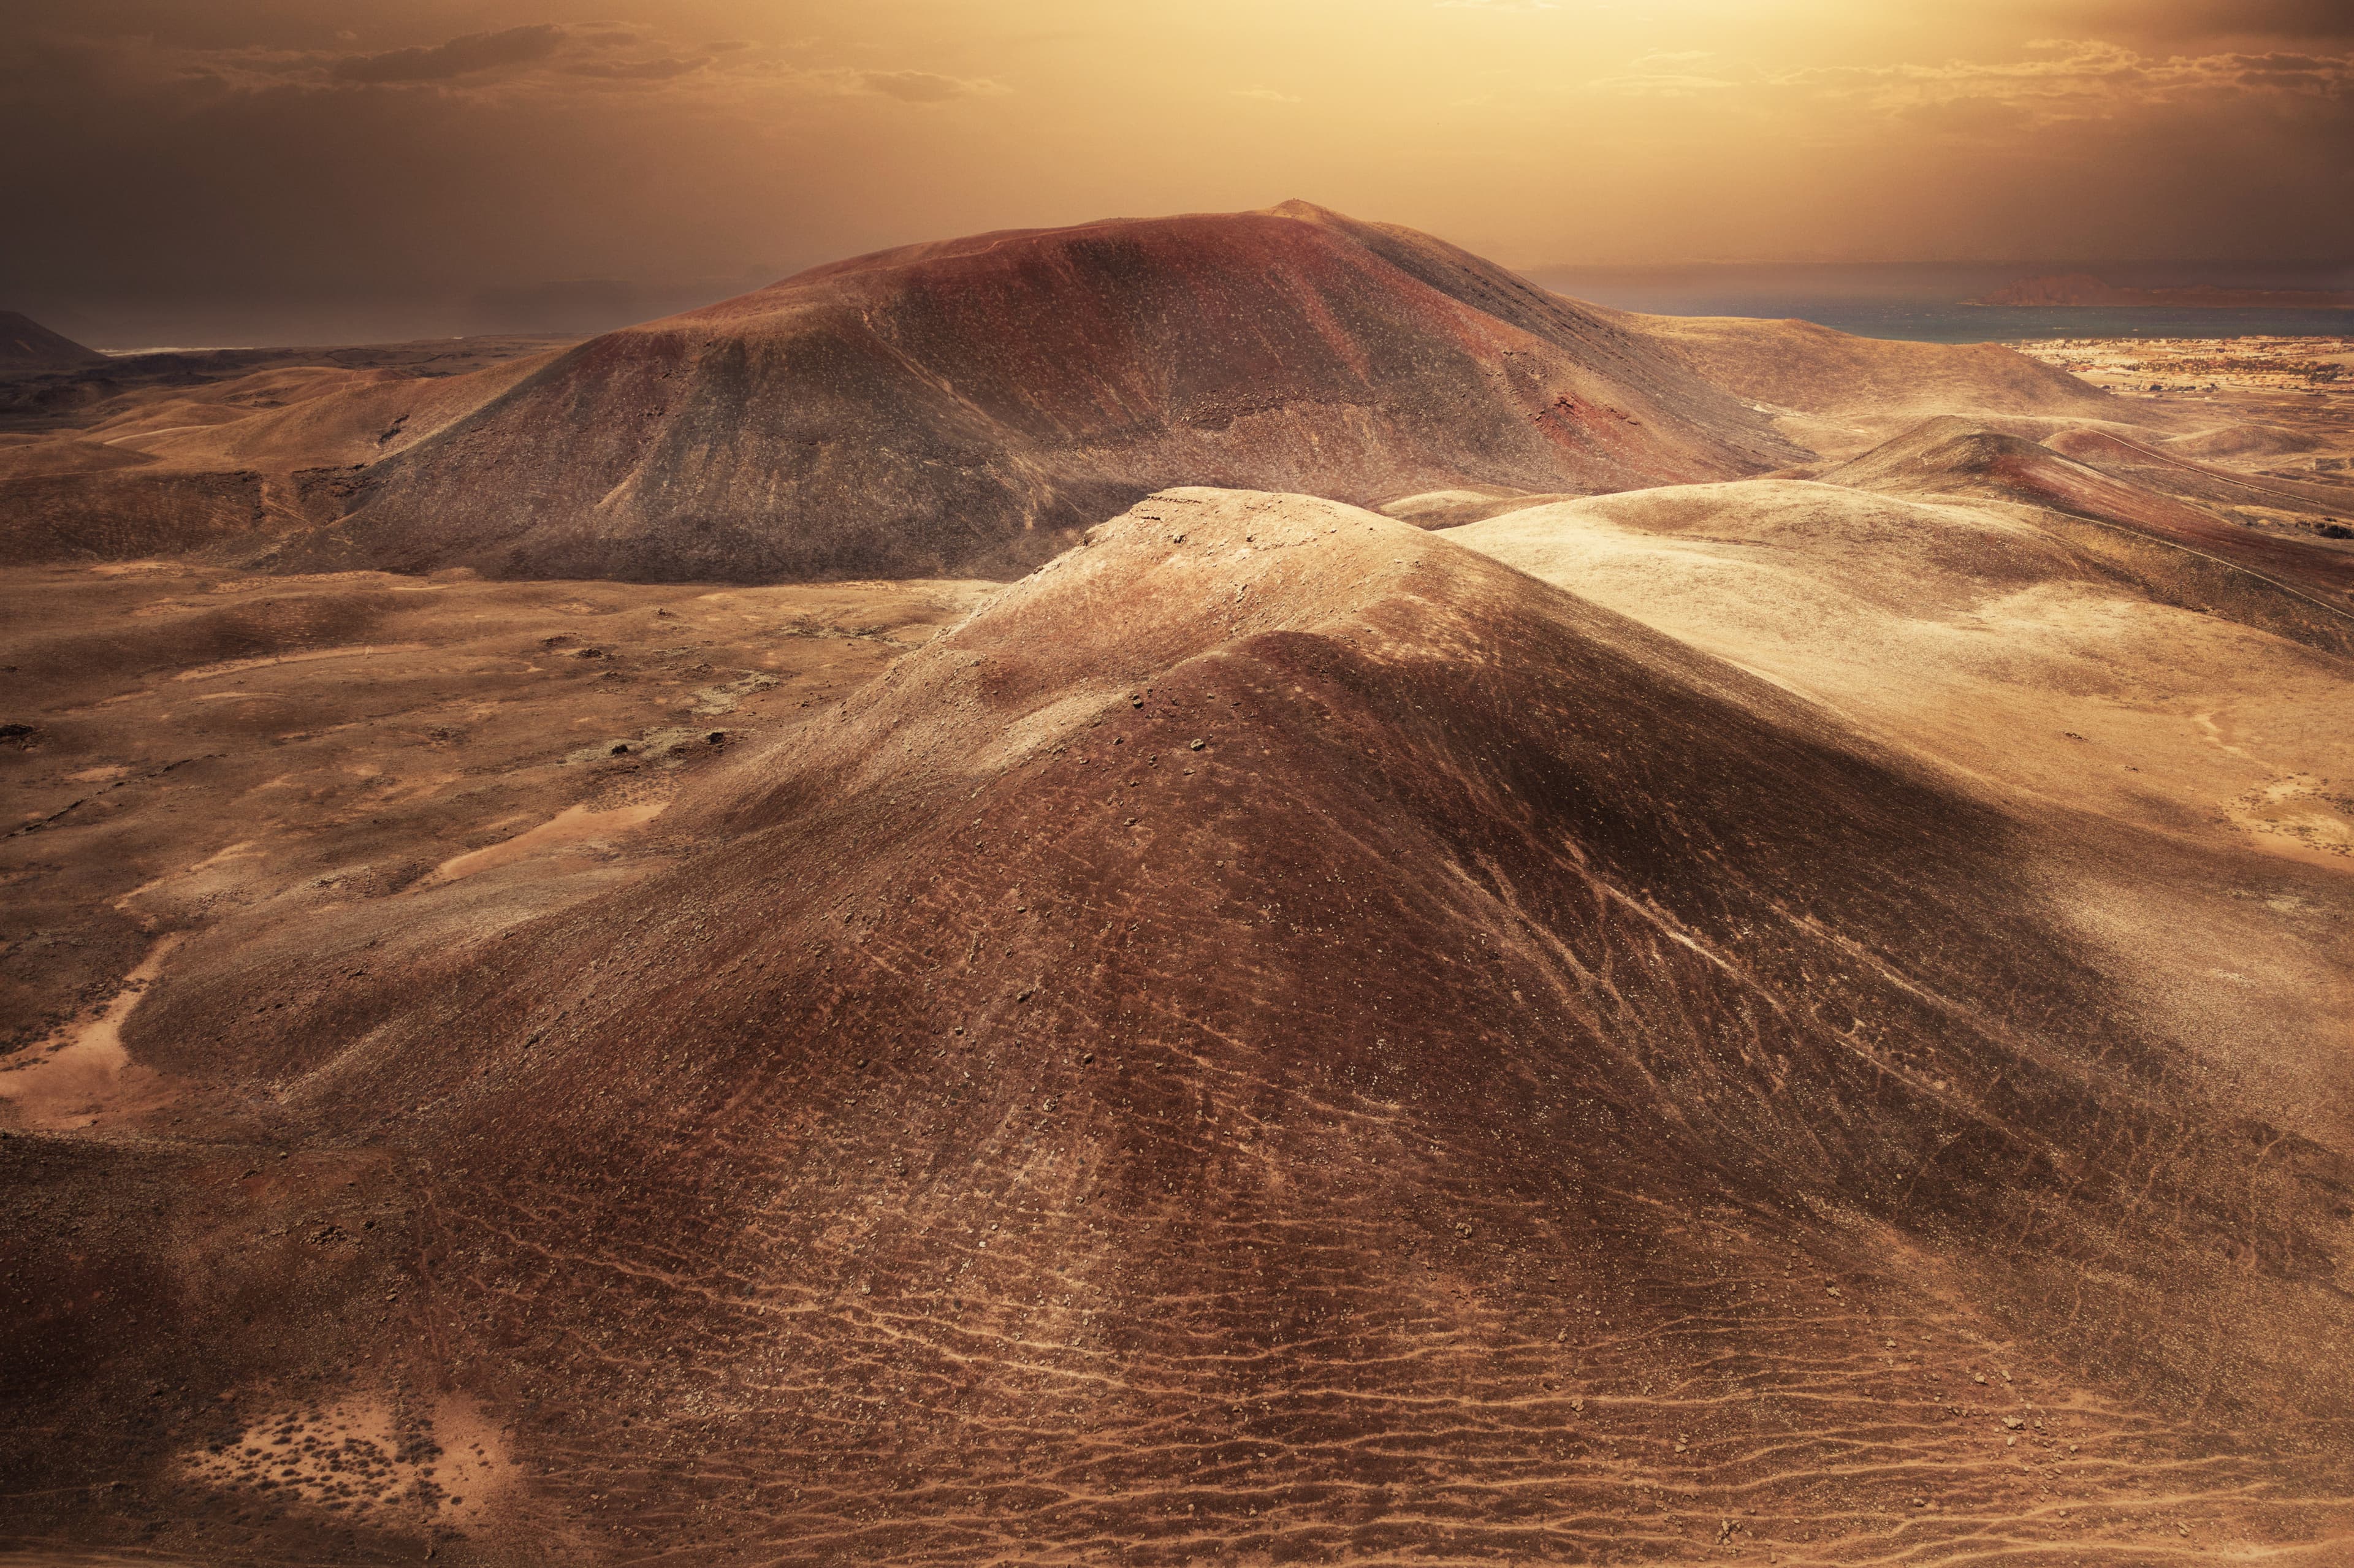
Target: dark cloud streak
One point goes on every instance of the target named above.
(2302, 20)
(638, 70)
(459, 57)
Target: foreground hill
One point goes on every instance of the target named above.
(28, 348)
(1278, 1037)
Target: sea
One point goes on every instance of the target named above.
(1921, 301)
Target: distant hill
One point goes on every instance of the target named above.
(2074, 289)
(967, 406)
(963, 409)
(28, 348)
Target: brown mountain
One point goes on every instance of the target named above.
(963, 407)
(966, 405)
(28, 348)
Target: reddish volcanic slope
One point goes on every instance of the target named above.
(2286, 585)
(1279, 1039)
(961, 406)
(2169, 469)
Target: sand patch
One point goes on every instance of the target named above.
(55, 1085)
(369, 1460)
(573, 825)
(2300, 816)
(711, 701)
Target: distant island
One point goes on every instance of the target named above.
(2082, 288)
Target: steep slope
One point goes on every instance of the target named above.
(28, 348)
(966, 404)
(1279, 1038)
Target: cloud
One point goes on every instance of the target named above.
(1662, 84)
(459, 57)
(1667, 73)
(920, 86)
(2188, 20)
(2066, 80)
(662, 69)
(544, 65)
(1264, 94)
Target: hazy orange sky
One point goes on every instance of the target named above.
(195, 155)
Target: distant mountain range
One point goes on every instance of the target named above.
(2082, 288)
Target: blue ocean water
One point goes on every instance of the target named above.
(2005, 324)
(1922, 301)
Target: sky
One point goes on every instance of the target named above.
(328, 170)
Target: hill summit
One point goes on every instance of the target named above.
(28, 348)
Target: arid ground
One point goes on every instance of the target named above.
(1449, 928)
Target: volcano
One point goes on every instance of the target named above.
(966, 405)
(963, 408)
(28, 348)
